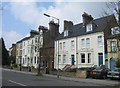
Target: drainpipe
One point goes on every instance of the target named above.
(58, 61)
(76, 54)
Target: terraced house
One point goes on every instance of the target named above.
(18, 52)
(85, 44)
(26, 50)
(38, 47)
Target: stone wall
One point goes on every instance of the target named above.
(81, 74)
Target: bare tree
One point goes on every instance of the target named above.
(113, 8)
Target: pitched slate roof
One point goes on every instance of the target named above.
(78, 30)
(114, 36)
(26, 38)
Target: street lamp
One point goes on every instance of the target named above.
(51, 17)
(58, 42)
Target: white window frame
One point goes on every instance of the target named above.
(20, 46)
(32, 41)
(28, 50)
(89, 58)
(113, 46)
(87, 42)
(82, 43)
(115, 30)
(24, 43)
(99, 40)
(72, 45)
(60, 47)
(64, 45)
(59, 58)
(82, 58)
(89, 28)
(20, 52)
(65, 33)
(64, 59)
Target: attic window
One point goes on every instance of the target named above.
(89, 27)
(65, 33)
(115, 30)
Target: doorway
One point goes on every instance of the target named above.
(73, 59)
(100, 58)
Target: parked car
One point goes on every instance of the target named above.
(115, 73)
(99, 73)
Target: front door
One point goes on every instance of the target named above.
(106, 63)
(73, 60)
(100, 57)
(112, 63)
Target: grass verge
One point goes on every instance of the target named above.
(117, 85)
(40, 74)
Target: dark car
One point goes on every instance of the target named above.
(115, 73)
(99, 73)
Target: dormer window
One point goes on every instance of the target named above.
(89, 27)
(65, 33)
(115, 30)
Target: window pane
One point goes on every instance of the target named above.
(64, 58)
(89, 57)
(100, 40)
(82, 43)
(59, 59)
(89, 27)
(64, 45)
(60, 46)
(82, 58)
(87, 43)
(113, 46)
(72, 45)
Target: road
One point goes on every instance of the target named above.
(11, 78)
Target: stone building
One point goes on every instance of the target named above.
(18, 52)
(113, 46)
(47, 51)
(12, 52)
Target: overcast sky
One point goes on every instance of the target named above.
(18, 18)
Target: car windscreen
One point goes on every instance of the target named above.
(97, 69)
(116, 70)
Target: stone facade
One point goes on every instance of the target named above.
(113, 54)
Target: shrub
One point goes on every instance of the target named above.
(72, 70)
(40, 74)
(53, 69)
(14, 65)
(117, 63)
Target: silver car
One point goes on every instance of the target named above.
(114, 73)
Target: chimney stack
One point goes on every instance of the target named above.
(44, 29)
(54, 29)
(86, 18)
(33, 32)
(67, 24)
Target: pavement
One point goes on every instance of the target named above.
(82, 80)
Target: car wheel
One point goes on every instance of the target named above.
(111, 78)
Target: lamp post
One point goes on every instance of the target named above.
(51, 17)
(58, 42)
(20, 63)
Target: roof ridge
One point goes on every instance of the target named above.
(96, 19)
